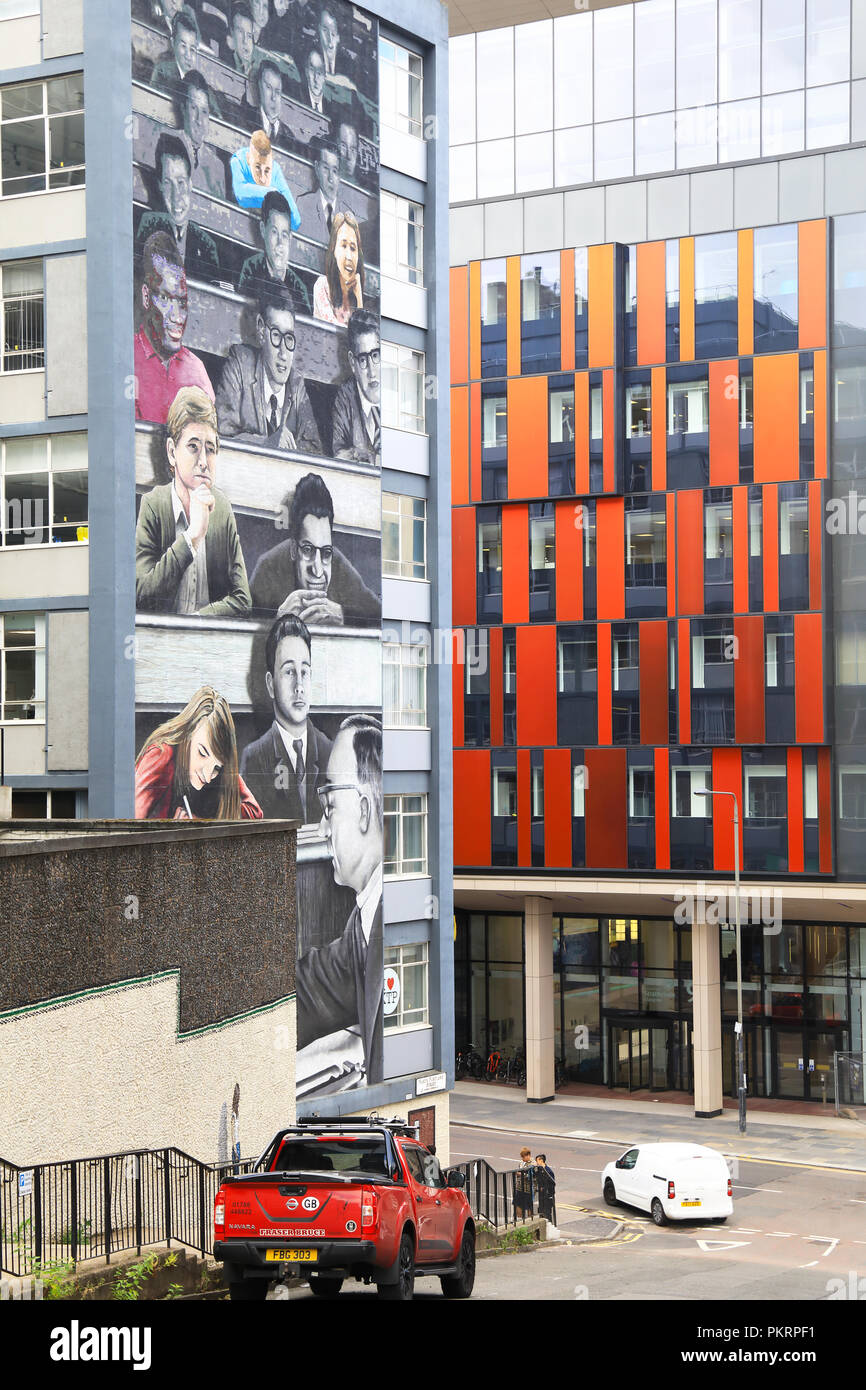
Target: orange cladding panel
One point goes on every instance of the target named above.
(749, 678)
(459, 335)
(581, 432)
(605, 682)
(808, 677)
(459, 444)
(569, 562)
(606, 808)
(659, 429)
(566, 312)
(746, 292)
(472, 809)
(653, 681)
(536, 684)
(727, 777)
(515, 564)
(812, 284)
(661, 762)
(601, 306)
(527, 437)
(819, 418)
(690, 552)
(724, 423)
(512, 315)
(651, 303)
(770, 547)
(463, 583)
(610, 556)
(795, 811)
(557, 808)
(740, 518)
(475, 440)
(524, 808)
(475, 320)
(776, 386)
(687, 299)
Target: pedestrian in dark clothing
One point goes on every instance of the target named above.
(524, 1186)
(545, 1181)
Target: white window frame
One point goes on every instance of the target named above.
(632, 394)
(851, 658)
(406, 512)
(561, 426)
(505, 792)
(774, 770)
(578, 791)
(396, 807)
(810, 791)
(49, 470)
(394, 960)
(39, 680)
(30, 297)
(698, 407)
(633, 815)
(700, 779)
(536, 784)
(492, 407)
(46, 118)
(405, 658)
(792, 510)
(747, 401)
(401, 75)
(397, 217)
(409, 367)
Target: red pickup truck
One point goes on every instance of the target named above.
(345, 1199)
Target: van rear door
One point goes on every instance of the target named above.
(700, 1182)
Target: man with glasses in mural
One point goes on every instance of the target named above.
(357, 431)
(261, 399)
(339, 986)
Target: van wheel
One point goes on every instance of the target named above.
(248, 1290)
(719, 1220)
(324, 1288)
(460, 1285)
(657, 1212)
(610, 1193)
(404, 1288)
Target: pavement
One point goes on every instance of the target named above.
(822, 1139)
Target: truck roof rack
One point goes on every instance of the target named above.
(372, 1122)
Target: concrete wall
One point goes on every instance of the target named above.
(66, 698)
(25, 751)
(20, 41)
(22, 397)
(49, 572)
(40, 219)
(65, 335)
(108, 1071)
(63, 23)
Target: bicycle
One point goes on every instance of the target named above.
(515, 1067)
(494, 1063)
(469, 1063)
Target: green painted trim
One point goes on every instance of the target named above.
(60, 1000)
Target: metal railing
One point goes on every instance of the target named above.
(503, 1199)
(849, 1079)
(88, 1208)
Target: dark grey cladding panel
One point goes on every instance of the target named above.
(68, 922)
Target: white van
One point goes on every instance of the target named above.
(673, 1182)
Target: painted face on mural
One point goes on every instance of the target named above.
(196, 117)
(316, 75)
(349, 824)
(277, 339)
(261, 167)
(260, 15)
(204, 765)
(328, 174)
(346, 253)
(184, 46)
(176, 189)
(289, 686)
(242, 34)
(329, 37)
(270, 93)
(277, 237)
(314, 554)
(166, 305)
(365, 365)
(193, 458)
(348, 146)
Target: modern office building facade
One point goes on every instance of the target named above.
(122, 127)
(658, 247)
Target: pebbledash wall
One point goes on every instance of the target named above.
(77, 756)
(658, 412)
(134, 1012)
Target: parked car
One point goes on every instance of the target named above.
(345, 1199)
(673, 1182)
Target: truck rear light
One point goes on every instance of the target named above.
(672, 1192)
(369, 1209)
(730, 1189)
(219, 1215)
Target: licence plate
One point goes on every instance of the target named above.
(695, 1203)
(292, 1256)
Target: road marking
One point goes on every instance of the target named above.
(746, 1231)
(581, 1134)
(777, 1190)
(565, 1169)
(711, 1246)
(809, 1265)
(830, 1241)
(861, 1201)
(781, 1235)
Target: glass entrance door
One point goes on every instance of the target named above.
(640, 1057)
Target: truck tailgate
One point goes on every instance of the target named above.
(293, 1209)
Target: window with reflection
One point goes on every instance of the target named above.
(782, 123)
(572, 156)
(509, 687)
(672, 300)
(697, 136)
(696, 52)
(504, 819)
(688, 407)
(494, 442)
(712, 681)
(716, 321)
(476, 701)
(489, 588)
(625, 682)
(793, 546)
(654, 143)
(581, 307)
(494, 173)
(739, 49)
(614, 147)
(533, 78)
(784, 44)
(739, 131)
(560, 436)
(645, 565)
(572, 70)
(776, 288)
(828, 41)
(613, 37)
(493, 317)
(577, 685)
(654, 58)
(827, 116)
(540, 277)
(495, 84)
(542, 561)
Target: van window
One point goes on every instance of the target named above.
(630, 1159)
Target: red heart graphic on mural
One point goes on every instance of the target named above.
(390, 982)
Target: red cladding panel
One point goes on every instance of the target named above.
(662, 807)
(527, 436)
(727, 777)
(749, 678)
(472, 809)
(812, 305)
(581, 432)
(605, 683)
(463, 589)
(653, 657)
(606, 809)
(671, 544)
(651, 303)
(474, 320)
(536, 685)
(569, 562)
(475, 440)
(459, 300)
(816, 538)
(741, 549)
(524, 808)
(684, 679)
(566, 310)
(458, 678)
(459, 444)
(659, 429)
(690, 552)
(776, 392)
(796, 861)
(808, 678)
(515, 564)
(610, 553)
(724, 423)
(608, 426)
(557, 808)
(770, 542)
(820, 417)
(495, 657)
(825, 813)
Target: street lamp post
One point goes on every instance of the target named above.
(740, 1046)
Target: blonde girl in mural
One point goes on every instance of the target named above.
(188, 768)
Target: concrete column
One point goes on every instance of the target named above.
(707, 1026)
(5, 803)
(539, 999)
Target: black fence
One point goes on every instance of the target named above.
(88, 1208)
(92, 1208)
